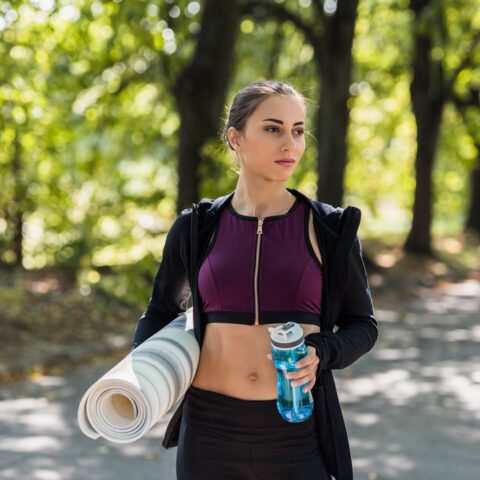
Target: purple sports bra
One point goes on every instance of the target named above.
(266, 271)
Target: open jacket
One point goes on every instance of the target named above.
(348, 324)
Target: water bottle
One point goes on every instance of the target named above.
(288, 347)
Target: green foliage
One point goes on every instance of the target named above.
(382, 138)
(130, 282)
(82, 95)
(88, 135)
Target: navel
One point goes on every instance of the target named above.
(253, 377)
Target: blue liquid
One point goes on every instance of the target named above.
(293, 404)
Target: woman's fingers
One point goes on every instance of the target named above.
(307, 370)
(306, 378)
(310, 385)
(305, 365)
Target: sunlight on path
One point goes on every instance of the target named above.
(412, 405)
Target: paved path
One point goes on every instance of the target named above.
(412, 406)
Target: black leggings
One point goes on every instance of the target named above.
(227, 438)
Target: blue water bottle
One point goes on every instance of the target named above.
(288, 347)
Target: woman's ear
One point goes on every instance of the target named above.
(233, 138)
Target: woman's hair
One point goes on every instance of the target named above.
(246, 101)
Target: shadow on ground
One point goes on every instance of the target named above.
(40, 438)
(412, 405)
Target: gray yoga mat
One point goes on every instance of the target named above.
(146, 385)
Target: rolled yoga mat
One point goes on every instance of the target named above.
(149, 383)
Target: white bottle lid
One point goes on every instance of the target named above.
(286, 336)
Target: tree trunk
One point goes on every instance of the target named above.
(331, 37)
(473, 217)
(335, 62)
(16, 209)
(200, 92)
(473, 101)
(428, 99)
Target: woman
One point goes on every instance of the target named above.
(268, 254)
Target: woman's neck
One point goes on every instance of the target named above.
(262, 201)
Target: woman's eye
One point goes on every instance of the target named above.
(299, 131)
(268, 128)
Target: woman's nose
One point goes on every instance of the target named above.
(289, 142)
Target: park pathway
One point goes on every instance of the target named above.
(412, 405)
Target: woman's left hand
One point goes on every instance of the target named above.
(307, 369)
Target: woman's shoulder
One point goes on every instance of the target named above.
(332, 218)
(323, 210)
(181, 224)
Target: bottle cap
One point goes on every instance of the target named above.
(286, 336)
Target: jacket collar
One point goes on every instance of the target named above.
(324, 213)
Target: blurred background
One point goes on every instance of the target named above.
(110, 122)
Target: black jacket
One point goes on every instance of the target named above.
(346, 305)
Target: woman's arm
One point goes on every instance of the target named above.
(357, 327)
(171, 288)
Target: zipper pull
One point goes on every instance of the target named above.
(259, 227)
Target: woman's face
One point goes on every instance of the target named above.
(274, 131)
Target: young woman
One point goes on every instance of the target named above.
(267, 254)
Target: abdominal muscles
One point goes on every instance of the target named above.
(233, 361)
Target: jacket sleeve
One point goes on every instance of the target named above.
(171, 288)
(357, 327)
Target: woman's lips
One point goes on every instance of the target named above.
(285, 163)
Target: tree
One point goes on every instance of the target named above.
(200, 91)
(469, 106)
(331, 36)
(431, 88)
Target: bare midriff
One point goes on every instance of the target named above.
(233, 360)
